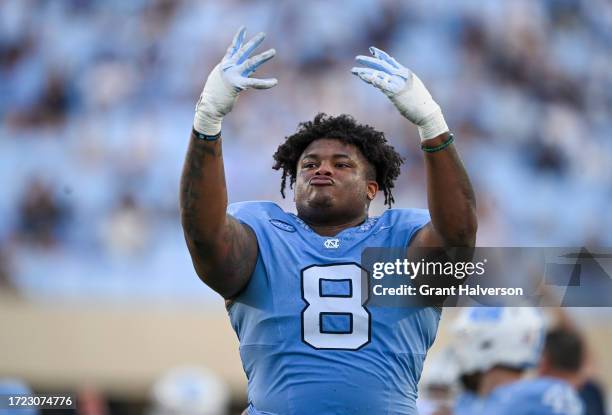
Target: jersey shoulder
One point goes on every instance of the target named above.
(268, 209)
(257, 213)
(545, 396)
(407, 216)
(254, 209)
(406, 221)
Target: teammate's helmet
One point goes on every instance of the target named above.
(441, 369)
(485, 337)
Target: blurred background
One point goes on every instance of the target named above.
(97, 291)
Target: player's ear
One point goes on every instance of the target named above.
(372, 189)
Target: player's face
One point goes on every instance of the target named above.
(332, 182)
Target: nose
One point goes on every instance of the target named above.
(324, 170)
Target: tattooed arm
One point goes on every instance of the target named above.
(451, 200)
(223, 250)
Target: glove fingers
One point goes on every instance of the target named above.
(365, 74)
(380, 80)
(357, 70)
(259, 83)
(236, 42)
(381, 54)
(244, 52)
(250, 65)
(375, 63)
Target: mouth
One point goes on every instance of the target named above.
(321, 181)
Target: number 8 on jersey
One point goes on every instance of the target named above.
(334, 316)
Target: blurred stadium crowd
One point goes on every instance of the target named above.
(96, 100)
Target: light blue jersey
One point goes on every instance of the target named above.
(309, 342)
(540, 396)
(468, 403)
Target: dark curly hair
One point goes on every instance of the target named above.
(372, 144)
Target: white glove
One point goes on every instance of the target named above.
(227, 79)
(405, 90)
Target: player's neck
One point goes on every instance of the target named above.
(333, 229)
(495, 378)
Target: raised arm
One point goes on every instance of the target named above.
(451, 200)
(223, 250)
(450, 197)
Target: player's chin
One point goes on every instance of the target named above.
(321, 201)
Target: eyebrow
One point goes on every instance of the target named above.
(335, 156)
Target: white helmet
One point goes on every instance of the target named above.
(189, 391)
(441, 369)
(488, 336)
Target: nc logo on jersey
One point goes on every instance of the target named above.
(332, 243)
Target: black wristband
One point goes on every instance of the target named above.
(448, 142)
(205, 137)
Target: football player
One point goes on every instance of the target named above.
(309, 342)
(501, 344)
